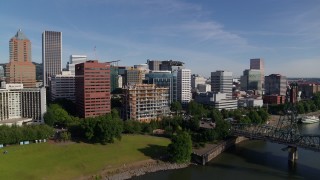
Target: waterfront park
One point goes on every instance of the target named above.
(72, 160)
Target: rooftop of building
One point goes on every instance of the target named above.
(20, 35)
(18, 121)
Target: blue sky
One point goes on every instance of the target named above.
(207, 35)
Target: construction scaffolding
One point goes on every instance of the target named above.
(146, 102)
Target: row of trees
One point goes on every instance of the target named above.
(302, 107)
(182, 128)
(56, 116)
(307, 106)
(15, 134)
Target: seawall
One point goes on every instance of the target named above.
(204, 157)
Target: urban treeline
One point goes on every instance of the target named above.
(105, 129)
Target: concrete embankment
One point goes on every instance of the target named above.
(142, 168)
(204, 155)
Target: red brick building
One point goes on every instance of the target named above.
(274, 99)
(93, 88)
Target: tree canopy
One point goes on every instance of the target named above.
(102, 129)
(56, 115)
(181, 148)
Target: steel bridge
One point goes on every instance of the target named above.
(286, 132)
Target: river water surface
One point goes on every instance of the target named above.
(252, 160)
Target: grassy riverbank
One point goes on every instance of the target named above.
(72, 160)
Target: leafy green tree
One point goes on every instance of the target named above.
(254, 116)
(216, 115)
(300, 108)
(194, 123)
(67, 105)
(5, 135)
(313, 107)
(196, 109)
(306, 106)
(146, 128)
(88, 125)
(316, 99)
(132, 127)
(237, 114)
(16, 134)
(225, 113)
(176, 107)
(264, 115)
(56, 115)
(180, 148)
(222, 129)
(245, 120)
(209, 135)
(102, 129)
(115, 113)
(65, 136)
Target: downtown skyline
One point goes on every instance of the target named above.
(206, 35)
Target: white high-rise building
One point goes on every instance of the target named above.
(51, 55)
(17, 104)
(75, 59)
(184, 86)
(221, 81)
(195, 80)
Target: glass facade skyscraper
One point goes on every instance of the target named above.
(51, 54)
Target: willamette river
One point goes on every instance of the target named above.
(252, 160)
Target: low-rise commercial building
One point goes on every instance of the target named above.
(250, 102)
(217, 100)
(274, 99)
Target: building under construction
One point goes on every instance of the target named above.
(146, 102)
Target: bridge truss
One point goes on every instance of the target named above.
(286, 132)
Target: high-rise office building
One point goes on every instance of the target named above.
(195, 80)
(251, 80)
(20, 69)
(62, 86)
(137, 74)
(93, 88)
(1, 72)
(221, 81)
(154, 65)
(51, 54)
(75, 59)
(184, 86)
(168, 65)
(258, 64)
(275, 84)
(164, 79)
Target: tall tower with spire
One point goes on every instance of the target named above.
(20, 68)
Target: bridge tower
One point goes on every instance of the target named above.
(288, 123)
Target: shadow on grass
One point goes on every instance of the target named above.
(156, 152)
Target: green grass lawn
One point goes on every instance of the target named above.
(72, 160)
